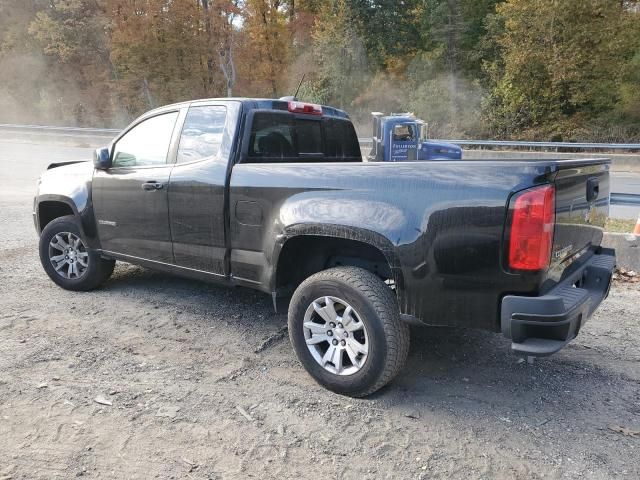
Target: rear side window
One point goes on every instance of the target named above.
(283, 137)
(202, 133)
(342, 141)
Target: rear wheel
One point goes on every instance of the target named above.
(345, 328)
(67, 259)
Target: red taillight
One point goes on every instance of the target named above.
(532, 226)
(308, 108)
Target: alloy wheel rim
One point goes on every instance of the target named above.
(336, 336)
(68, 255)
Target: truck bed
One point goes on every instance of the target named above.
(440, 224)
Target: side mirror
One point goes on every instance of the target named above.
(102, 158)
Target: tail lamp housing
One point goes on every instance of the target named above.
(531, 228)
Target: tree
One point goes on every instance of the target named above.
(560, 62)
(389, 30)
(629, 107)
(162, 53)
(73, 39)
(533, 68)
(341, 67)
(267, 44)
(229, 11)
(23, 70)
(218, 18)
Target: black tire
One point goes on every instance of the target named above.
(377, 308)
(98, 269)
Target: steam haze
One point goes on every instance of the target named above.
(467, 68)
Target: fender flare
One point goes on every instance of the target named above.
(86, 218)
(374, 239)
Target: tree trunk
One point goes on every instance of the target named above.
(209, 49)
(225, 53)
(227, 66)
(147, 93)
(452, 54)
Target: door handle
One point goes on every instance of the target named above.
(151, 186)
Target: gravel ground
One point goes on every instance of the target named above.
(158, 377)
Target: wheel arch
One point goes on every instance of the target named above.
(49, 207)
(307, 249)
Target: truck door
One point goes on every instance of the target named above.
(197, 186)
(130, 198)
(404, 142)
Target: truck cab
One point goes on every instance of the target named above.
(403, 138)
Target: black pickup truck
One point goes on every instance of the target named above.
(274, 195)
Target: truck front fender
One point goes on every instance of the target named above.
(68, 185)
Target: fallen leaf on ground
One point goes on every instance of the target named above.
(169, 411)
(627, 432)
(102, 400)
(244, 413)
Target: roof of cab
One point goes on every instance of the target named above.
(254, 103)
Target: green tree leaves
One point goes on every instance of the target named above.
(560, 63)
(481, 68)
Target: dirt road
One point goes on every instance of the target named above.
(158, 377)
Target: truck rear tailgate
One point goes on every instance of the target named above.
(582, 207)
(579, 274)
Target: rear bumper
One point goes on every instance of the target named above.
(540, 326)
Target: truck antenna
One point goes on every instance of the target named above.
(295, 95)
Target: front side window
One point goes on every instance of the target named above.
(147, 143)
(202, 133)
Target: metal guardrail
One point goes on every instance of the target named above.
(60, 130)
(616, 198)
(575, 145)
(364, 141)
(624, 199)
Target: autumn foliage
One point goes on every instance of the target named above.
(562, 69)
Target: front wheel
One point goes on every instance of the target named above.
(67, 259)
(345, 328)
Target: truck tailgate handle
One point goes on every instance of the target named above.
(151, 186)
(593, 189)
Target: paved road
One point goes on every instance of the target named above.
(625, 182)
(20, 166)
(24, 161)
